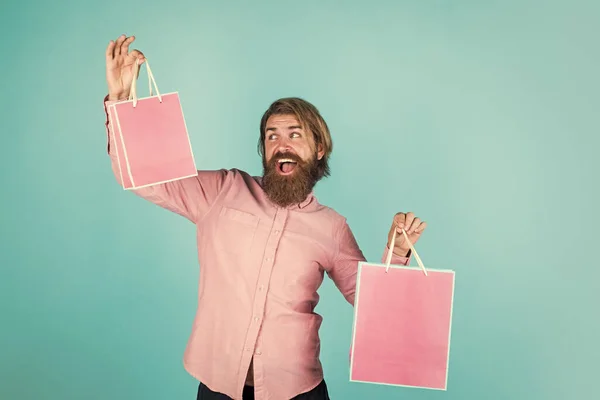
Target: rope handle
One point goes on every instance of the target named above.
(133, 92)
(412, 248)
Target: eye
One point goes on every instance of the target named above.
(272, 136)
(295, 134)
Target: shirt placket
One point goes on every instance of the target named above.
(250, 348)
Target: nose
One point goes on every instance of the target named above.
(284, 146)
(284, 149)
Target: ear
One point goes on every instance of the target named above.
(320, 152)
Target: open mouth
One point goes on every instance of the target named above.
(286, 166)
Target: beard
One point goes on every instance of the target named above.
(286, 190)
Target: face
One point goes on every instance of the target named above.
(290, 160)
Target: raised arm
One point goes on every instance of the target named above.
(190, 197)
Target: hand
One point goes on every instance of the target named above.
(120, 67)
(414, 227)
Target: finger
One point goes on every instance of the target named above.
(399, 221)
(118, 44)
(110, 50)
(137, 54)
(410, 217)
(421, 227)
(413, 226)
(125, 45)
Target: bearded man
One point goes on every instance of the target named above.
(264, 245)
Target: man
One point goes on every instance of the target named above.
(264, 244)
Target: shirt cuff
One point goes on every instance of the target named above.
(396, 260)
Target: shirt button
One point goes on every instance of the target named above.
(268, 259)
(277, 232)
(261, 287)
(258, 352)
(256, 319)
(248, 349)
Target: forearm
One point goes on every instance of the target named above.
(190, 197)
(112, 149)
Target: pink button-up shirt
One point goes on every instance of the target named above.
(260, 268)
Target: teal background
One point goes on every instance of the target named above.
(479, 116)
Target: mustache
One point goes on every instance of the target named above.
(294, 157)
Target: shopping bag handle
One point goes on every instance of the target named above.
(412, 248)
(133, 91)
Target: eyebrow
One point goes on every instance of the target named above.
(289, 128)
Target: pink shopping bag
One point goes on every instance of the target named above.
(402, 325)
(151, 138)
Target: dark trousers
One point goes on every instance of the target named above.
(318, 393)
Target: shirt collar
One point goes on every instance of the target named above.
(306, 201)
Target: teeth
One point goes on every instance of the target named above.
(285, 160)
